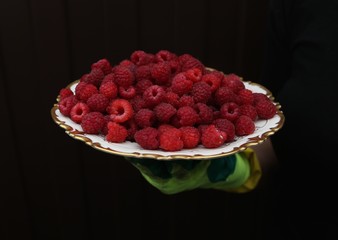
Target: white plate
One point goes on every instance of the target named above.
(264, 129)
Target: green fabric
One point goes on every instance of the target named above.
(176, 176)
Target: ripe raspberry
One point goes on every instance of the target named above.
(224, 95)
(186, 100)
(164, 127)
(265, 109)
(144, 118)
(248, 110)
(175, 67)
(108, 78)
(137, 103)
(116, 133)
(194, 74)
(127, 64)
(66, 104)
(184, 58)
(147, 138)
(132, 128)
(244, 126)
(164, 112)
(103, 64)
(143, 85)
(212, 80)
(95, 77)
(93, 122)
(120, 110)
(201, 92)
(78, 111)
(226, 126)
(83, 91)
(65, 92)
(205, 113)
(164, 56)
(230, 111)
(213, 137)
(233, 82)
(181, 85)
(172, 98)
(190, 137)
(123, 76)
(192, 63)
(218, 74)
(246, 96)
(140, 57)
(127, 92)
(187, 116)
(143, 72)
(161, 73)
(170, 140)
(153, 95)
(98, 102)
(109, 89)
(259, 96)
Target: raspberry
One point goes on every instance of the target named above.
(224, 95)
(143, 72)
(95, 77)
(78, 111)
(66, 104)
(143, 85)
(108, 78)
(181, 85)
(192, 63)
(83, 91)
(123, 76)
(140, 57)
(201, 92)
(212, 80)
(145, 118)
(184, 58)
(137, 103)
(102, 64)
(218, 74)
(187, 116)
(164, 55)
(205, 113)
(147, 138)
(109, 89)
(230, 111)
(246, 96)
(233, 82)
(265, 109)
(172, 98)
(164, 112)
(153, 95)
(98, 102)
(258, 97)
(120, 110)
(161, 72)
(175, 67)
(190, 137)
(248, 110)
(244, 126)
(164, 127)
(127, 92)
(127, 64)
(64, 93)
(213, 137)
(186, 100)
(170, 140)
(93, 122)
(116, 133)
(132, 128)
(226, 126)
(194, 74)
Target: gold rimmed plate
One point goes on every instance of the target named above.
(264, 129)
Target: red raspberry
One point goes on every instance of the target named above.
(225, 95)
(103, 64)
(186, 100)
(164, 127)
(192, 63)
(93, 122)
(123, 76)
(66, 104)
(259, 96)
(120, 110)
(230, 111)
(244, 126)
(83, 91)
(248, 110)
(190, 137)
(205, 113)
(164, 55)
(147, 138)
(187, 116)
(137, 103)
(233, 82)
(95, 77)
(116, 133)
(265, 109)
(184, 58)
(98, 102)
(64, 93)
(78, 111)
(226, 126)
(161, 72)
(201, 92)
(140, 57)
(143, 85)
(153, 95)
(218, 74)
(213, 137)
(212, 80)
(132, 128)
(108, 78)
(170, 140)
(127, 92)
(109, 89)
(181, 85)
(164, 112)
(144, 118)
(172, 98)
(246, 96)
(143, 72)
(127, 64)
(175, 67)
(194, 74)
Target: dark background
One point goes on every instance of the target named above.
(54, 187)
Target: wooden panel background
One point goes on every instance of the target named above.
(53, 187)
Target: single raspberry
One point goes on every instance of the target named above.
(140, 57)
(259, 96)
(164, 112)
(161, 73)
(186, 100)
(64, 93)
(248, 110)
(265, 109)
(95, 77)
(172, 98)
(192, 63)
(66, 104)
(187, 116)
(234, 82)
(147, 138)
(212, 80)
(213, 137)
(137, 103)
(230, 111)
(116, 133)
(143, 85)
(246, 96)
(127, 92)
(123, 76)
(181, 85)
(244, 126)
(78, 111)
(127, 64)
(98, 102)
(103, 64)
(108, 78)
(145, 118)
(143, 72)
(190, 137)
(109, 89)
(184, 58)
(83, 91)
(153, 95)
(170, 140)
(120, 110)
(225, 95)
(175, 66)
(164, 56)
(201, 92)
(226, 126)
(194, 74)
(205, 113)
(218, 74)
(93, 122)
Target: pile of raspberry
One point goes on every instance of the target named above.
(164, 101)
